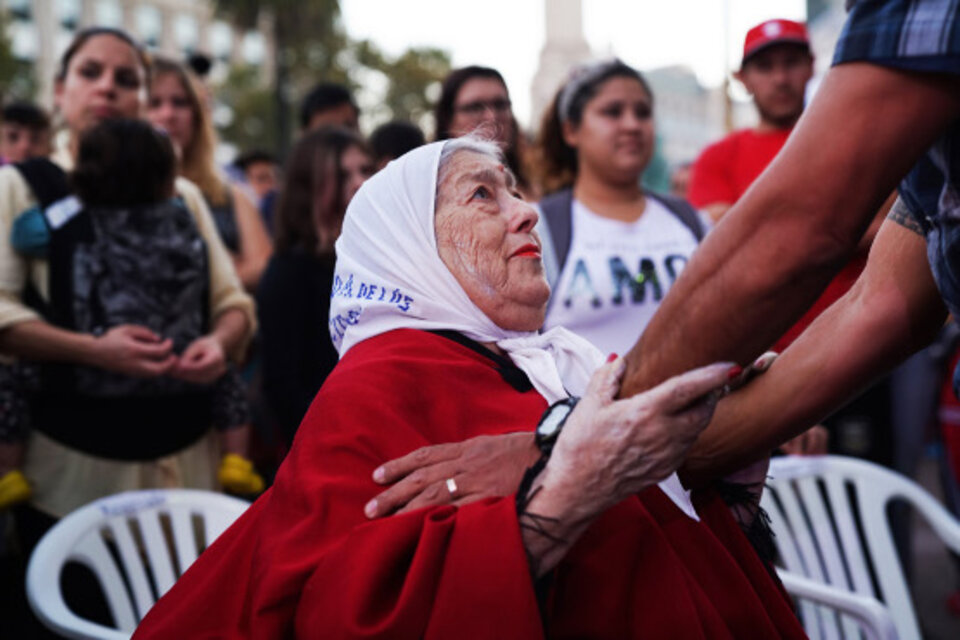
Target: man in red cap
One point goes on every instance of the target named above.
(776, 66)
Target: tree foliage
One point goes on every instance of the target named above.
(252, 110)
(412, 76)
(17, 80)
(312, 46)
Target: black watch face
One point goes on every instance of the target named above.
(552, 421)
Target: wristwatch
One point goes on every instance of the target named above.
(551, 423)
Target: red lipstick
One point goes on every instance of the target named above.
(527, 251)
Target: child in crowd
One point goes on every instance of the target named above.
(141, 262)
(24, 133)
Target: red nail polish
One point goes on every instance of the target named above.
(611, 357)
(734, 372)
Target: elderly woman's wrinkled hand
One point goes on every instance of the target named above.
(613, 448)
(759, 366)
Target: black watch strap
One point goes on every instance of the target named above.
(552, 422)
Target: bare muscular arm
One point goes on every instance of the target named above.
(778, 247)
(892, 310)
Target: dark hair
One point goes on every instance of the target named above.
(310, 211)
(123, 162)
(84, 35)
(322, 97)
(26, 114)
(444, 109)
(556, 161)
(254, 156)
(200, 64)
(395, 138)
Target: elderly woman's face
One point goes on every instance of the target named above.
(485, 238)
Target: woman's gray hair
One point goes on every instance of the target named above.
(471, 142)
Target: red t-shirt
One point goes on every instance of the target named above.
(725, 170)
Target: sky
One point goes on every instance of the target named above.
(509, 34)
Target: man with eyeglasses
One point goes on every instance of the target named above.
(482, 100)
(476, 97)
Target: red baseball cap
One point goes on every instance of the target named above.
(774, 32)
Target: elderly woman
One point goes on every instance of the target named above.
(438, 293)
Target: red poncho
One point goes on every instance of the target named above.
(305, 562)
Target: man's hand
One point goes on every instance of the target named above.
(133, 350)
(482, 467)
(202, 362)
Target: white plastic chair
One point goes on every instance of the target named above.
(873, 618)
(829, 516)
(137, 544)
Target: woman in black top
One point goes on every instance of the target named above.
(325, 169)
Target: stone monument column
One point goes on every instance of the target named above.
(45, 22)
(565, 47)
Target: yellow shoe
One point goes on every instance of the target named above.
(236, 475)
(14, 489)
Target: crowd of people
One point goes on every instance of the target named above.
(410, 349)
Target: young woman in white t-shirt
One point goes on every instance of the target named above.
(626, 246)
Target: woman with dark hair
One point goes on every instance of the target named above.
(619, 247)
(474, 98)
(81, 446)
(324, 170)
(176, 106)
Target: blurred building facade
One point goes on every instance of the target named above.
(40, 30)
(688, 115)
(825, 20)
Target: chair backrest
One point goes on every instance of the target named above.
(137, 544)
(829, 517)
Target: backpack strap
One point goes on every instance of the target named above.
(557, 209)
(49, 185)
(684, 211)
(46, 179)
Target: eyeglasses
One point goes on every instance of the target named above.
(479, 107)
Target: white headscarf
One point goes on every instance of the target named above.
(389, 275)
